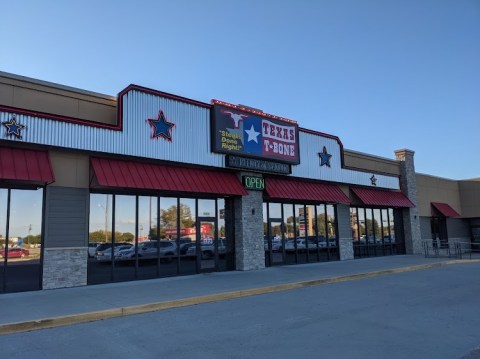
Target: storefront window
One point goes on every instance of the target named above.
(124, 237)
(375, 232)
(332, 228)
(3, 234)
(156, 237)
(188, 220)
(20, 239)
(391, 221)
(226, 244)
(299, 233)
(275, 210)
(148, 232)
(288, 220)
(354, 225)
(206, 208)
(377, 225)
(299, 247)
(385, 226)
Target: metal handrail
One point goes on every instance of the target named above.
(434, 248)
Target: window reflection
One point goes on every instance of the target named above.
(206, 208)
(392, 225)
(100, 218)
(275, 210)
(3, 228)
(354, 225)
(331, 223)
(305, 233)
(186, 244)
(20, 247)
(25, 226)
(288, 221)
(375, 230)
(168, 218)
(155, 237)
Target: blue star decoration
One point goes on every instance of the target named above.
(13, 128)
(324, 157)
(373, 179)
(161, 127)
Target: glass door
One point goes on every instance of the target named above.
(207, 244)
(275, 242)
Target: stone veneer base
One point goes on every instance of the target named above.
(64, 267)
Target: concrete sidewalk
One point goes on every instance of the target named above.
(51, 308)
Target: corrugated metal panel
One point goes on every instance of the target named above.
(190, 143)
(190, 136)
(289, 188)
(311, 145)
(139, 175)
(378, 197)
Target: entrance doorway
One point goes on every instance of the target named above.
(207, 244)
(274, 243)
(439, 232)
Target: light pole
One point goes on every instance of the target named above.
(106, 217)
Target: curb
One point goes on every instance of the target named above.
(11, 328)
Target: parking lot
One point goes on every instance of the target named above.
(428, 313)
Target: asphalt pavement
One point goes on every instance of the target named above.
(27, 311)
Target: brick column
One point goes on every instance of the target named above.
(249, 250)
(408, 185)
(345, 240)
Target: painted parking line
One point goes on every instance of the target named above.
(10, 328)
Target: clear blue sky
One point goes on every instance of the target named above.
(379, 74)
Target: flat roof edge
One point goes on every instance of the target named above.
(56, 86)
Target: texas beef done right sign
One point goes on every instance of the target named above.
(241, 131)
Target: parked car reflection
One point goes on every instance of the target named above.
(15, 252)
(149, 250)
(104, 251)
(208, 249)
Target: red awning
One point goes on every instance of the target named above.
(26, 166)
(139, 175)
(384, 198)
(290, 188)
(445, 209)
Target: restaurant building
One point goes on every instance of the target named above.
(97, 189)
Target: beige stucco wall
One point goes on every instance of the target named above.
(39, 96)
(436, 189)
(70, 169)
(371, 163)
(470, 197)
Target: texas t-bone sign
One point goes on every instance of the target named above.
(244, 131)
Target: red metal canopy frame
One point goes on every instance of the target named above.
(25, 166)
(382, 197)
(113, 173)
(445, 210)
(296, 189)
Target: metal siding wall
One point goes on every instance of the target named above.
(190, 139)
(190, 136)
(66, 217)
(311, 145)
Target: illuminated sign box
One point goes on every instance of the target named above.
(243, 131)
(253, 183)
(253, 164)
